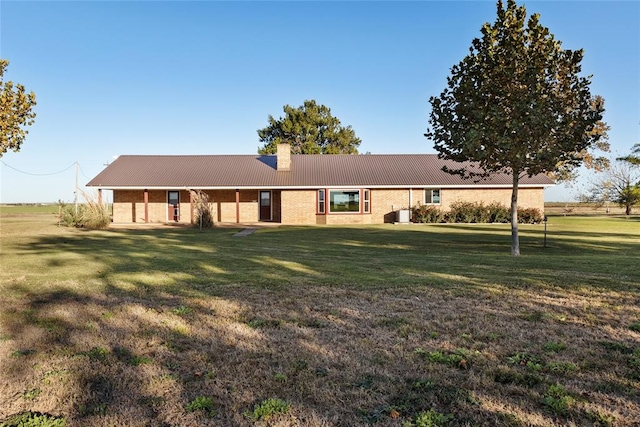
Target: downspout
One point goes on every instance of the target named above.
(146, 206)
(191, 203)
(237, 206)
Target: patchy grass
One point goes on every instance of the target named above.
(381, 325)
(202, 403)
(268, 409)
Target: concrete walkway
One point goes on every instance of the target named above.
(245, 232)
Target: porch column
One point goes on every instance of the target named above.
(237, 206)
(146, 206)
(100, 196)
(191, 204)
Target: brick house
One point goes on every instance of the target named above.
(297, 189)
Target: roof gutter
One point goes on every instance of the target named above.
(312, 187)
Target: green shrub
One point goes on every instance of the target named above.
(499, 213)
(464, 212)
(427, 214)
(530, 216)
(474, 212)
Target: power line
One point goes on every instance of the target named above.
(82, 172)
(38, 174)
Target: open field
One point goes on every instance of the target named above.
(578, 208)
(28, 209)
(382, 325)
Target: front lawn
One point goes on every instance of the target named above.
(322, 326)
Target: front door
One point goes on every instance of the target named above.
(265, 205)
(173, 200)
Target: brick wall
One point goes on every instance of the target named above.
(299, 206)
(348, 219)
(385, 201)
(527, 197)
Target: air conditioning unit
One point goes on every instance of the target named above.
(403, 216)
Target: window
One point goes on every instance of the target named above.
(431, 196)
(367, 201)
(344, 201)
(321, 201)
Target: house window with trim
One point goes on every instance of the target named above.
(321, 201)
(344, 201)
(431, 196)
(366, 206)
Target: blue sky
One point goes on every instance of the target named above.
(149, 77)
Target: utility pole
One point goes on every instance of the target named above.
(75, 193)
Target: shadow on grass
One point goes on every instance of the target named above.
(290, 313)
(373, 257)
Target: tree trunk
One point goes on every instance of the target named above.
(627, 209)
(515, 239)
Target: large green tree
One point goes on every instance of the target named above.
(620, 183)
(309, 129)
(517, 104)
(16, 112)
(634, 157)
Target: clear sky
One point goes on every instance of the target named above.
(169, 77)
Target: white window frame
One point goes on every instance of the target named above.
(430, 191)
(322, 201)
(366, 201)
(345, 190)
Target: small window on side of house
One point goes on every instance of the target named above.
(321, 201)
(432, 196)
(367, 201)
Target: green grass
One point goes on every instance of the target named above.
(29, 209)
(336, 321)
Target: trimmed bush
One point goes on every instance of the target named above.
(464, 212)
(499, 213)
(530, 216)
(427, 214)
(473, 212)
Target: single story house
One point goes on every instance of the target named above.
(297, 189)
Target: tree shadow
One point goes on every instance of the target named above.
(165, 316)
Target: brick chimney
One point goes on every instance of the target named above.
(283, 159)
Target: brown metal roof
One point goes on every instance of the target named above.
(307, 171)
